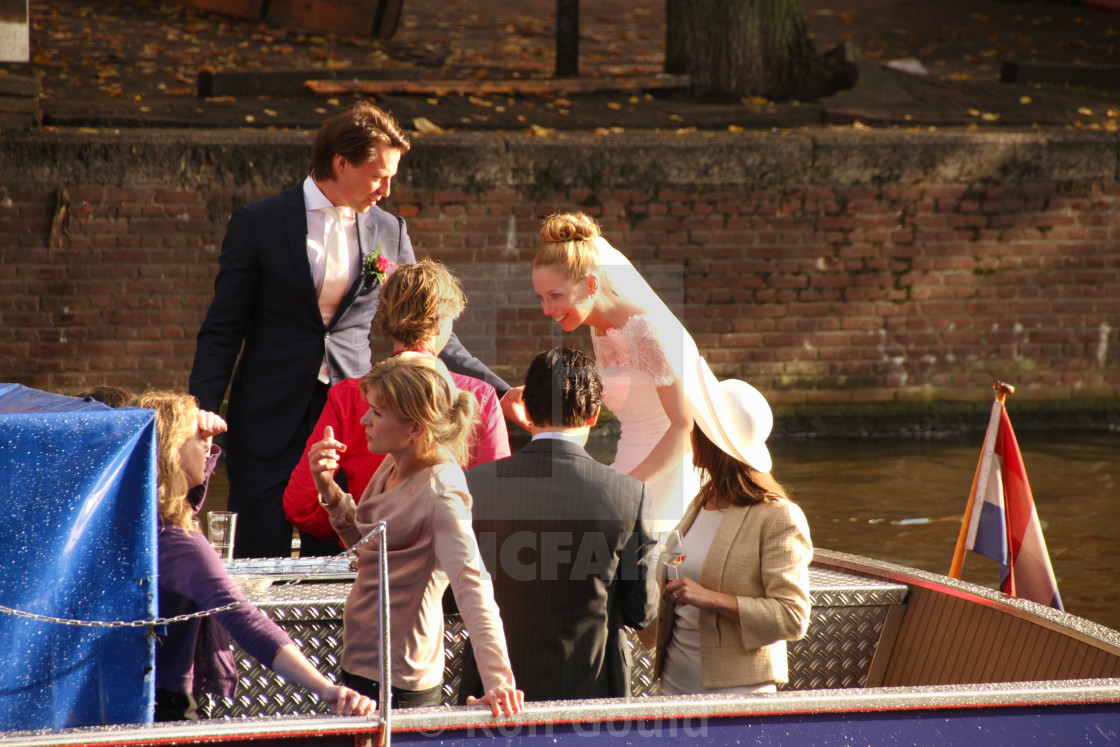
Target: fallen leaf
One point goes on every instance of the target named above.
(1025, 100)
(1085, 111)
(426, 126)
(857, 125)
(614, 105)
(537, 131)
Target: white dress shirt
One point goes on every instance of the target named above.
(314, 201)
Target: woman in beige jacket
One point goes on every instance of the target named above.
(743, 589)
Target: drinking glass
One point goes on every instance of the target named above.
(672, 549)
(222, 525)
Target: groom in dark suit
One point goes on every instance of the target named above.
(566, 541)
(297, 288)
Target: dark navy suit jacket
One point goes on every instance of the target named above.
(566, 542)
(265, 308)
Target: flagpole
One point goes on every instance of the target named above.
(1001, 390)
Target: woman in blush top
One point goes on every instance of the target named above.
(643, 352)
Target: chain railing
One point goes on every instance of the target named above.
(161, 621)
(382, 607)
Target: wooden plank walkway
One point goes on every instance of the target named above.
(511, 86)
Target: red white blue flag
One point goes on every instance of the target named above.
(1004, 524)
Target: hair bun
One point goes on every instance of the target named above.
(464, 401)
(565, 227)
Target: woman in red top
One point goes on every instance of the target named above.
(419, 303)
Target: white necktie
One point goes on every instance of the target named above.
(336, 272)
(336, 267)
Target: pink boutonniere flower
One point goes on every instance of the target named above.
(378, 267)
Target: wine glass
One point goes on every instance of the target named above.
(671, 547)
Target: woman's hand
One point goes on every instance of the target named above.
(514, 408)
(292, 665)
(679, 591)
(346, 702)
(507, 699)
(323, 459)
(210, 424)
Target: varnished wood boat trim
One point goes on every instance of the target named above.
(887, 638)
(952, 632)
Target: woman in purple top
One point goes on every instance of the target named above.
(194, 656)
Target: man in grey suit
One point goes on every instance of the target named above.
(566, 541)
(298, 285)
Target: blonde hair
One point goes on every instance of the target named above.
(568, 242)
(418, 387)
(176, 419)
(415, 298)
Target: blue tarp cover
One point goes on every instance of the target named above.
(78, 529)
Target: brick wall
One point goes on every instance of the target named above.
(828, 269)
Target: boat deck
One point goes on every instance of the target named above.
(893, 656)
(848, 616)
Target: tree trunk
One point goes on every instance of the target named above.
(736, 48)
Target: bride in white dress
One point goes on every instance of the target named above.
(644, 354)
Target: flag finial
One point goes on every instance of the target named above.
(1002, 390)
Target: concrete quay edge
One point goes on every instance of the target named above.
(254, 161)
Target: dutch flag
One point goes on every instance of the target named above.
(1003, 524)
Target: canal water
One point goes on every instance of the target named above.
(902, 500)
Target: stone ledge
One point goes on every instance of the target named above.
(263, 161)
(943, 418)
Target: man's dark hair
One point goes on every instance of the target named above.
(562, 384)
(355, 134)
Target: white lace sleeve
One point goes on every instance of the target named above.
(648, 352)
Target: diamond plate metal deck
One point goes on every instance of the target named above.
(846, 620)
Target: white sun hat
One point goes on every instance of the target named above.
(734, 416)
